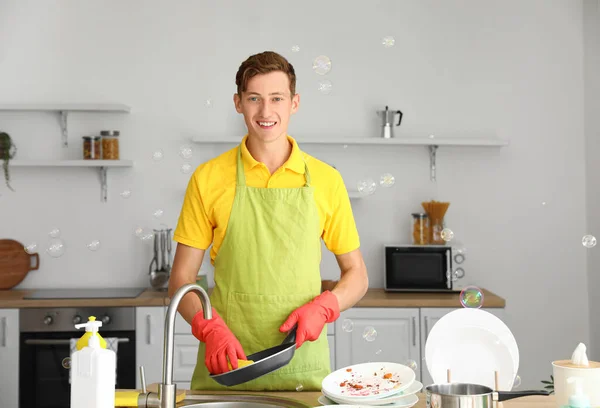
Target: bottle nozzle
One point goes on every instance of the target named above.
(91, 325)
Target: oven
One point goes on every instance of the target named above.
(418, 268)
(45, 350)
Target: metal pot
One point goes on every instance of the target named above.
(460, 395)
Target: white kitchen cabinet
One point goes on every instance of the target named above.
(378, 334)
(429, 317)
(149, 338)
(331, 341)
(9, 356)
(185, 353)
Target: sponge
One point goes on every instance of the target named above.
(241, 364)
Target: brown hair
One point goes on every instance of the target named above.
(264, 63)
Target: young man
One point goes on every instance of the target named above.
(264, 206)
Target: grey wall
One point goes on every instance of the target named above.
(514, 69)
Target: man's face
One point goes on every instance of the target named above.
(267, 105)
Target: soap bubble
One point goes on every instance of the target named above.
(369, 334)
(30, 248)
(447, 234)
(56, 248)
(185, 168)
(158, 213)
(517, 382)
(325, 86)
(54, 233)
(387, 180)
(589, 241)
(295, 48)
(157, 155)
(348, 325)
(412, 364)
(378, 352)
(144, 234)
(209, 103)
(94, 245)
(366, 187)
(322, 65)
(299, 387)
(543, 203)
(471, 297)
(125, 193)
(66, 362)
(185, 152)
(388, 41)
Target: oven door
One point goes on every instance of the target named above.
(418, 268)
(44, 364)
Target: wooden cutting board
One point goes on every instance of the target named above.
(15, 263)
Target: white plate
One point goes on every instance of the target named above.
(473, 344)
(403, 397)
(371, 377)
(323, 400)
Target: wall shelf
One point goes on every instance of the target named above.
(101, 165)
(63, 109)
(432, 143)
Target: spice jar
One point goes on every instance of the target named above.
(91, 148)
(420, 229)
(110, 144)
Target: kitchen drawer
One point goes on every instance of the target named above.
(330, 328)
(184, 357)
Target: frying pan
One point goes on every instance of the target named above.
(460, 395)
(265, 361)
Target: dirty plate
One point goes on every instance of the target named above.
(405, 398)
(324, 401)
(362, 382)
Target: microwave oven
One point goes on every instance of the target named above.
(419, 268)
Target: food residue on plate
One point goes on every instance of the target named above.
(359, 385)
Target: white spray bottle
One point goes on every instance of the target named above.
(93, 371)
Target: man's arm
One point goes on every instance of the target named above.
(186, 264)
(354, 280)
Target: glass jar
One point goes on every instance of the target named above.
(110, 144)
(92, 148)
(420, 229)
(436, 226)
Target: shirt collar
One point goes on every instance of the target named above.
(295, 162)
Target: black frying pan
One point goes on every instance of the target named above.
(265, 361)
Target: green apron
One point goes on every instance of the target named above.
(267, 266)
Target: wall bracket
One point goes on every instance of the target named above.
(432, 157)
(64, 127)
(103, 184)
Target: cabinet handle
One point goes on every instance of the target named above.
(4, 327)
(148, 329)
(414, 330)
(426, 327)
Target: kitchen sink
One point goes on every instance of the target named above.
(239, 401)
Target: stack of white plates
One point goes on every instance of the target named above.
(371, 384)
(473, 344)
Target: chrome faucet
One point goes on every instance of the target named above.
(167, 391)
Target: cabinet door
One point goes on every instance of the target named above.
(184, 358)
(377, 334)
(429, 317)
(9, 356)
(149, 338)
(331, 341)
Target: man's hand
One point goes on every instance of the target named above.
(220, 342)
(311, 317)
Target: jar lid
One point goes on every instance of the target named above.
(109, 133)
(419, 215)
(87, 138)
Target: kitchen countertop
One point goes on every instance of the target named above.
(373, 298)
(311, 399)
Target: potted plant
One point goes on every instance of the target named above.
(549, 385)
(7, 152)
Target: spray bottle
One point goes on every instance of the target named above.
(92, 370)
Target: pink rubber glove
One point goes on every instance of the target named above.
(311, 317)
(220, 343)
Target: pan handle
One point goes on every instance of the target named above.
(37, 262)
(507, 395)
(291, 337)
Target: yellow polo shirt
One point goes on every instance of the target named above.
(211, 189)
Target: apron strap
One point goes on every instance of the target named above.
(241, 177)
